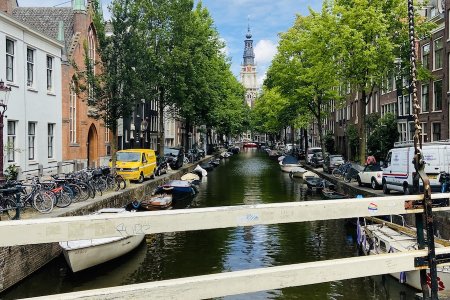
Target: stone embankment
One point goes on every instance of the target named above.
(441, 219)
(18, 262)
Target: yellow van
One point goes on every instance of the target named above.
(136, 164)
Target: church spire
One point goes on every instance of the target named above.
(249, 55)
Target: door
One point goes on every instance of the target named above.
(92, 147)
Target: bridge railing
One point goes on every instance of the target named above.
(34, 231)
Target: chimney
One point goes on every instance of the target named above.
(7, 6)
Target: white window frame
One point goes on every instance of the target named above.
(73, 114)
(11, 140)
(432, 131)
(425, 101)
(10, 61)
(51, 140)
(441, 53)
(426, 56)
(32, 141)
(403, 132)
(50, 64)
(30, 66)
(434, 95)
(424, 132)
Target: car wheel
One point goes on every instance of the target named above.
(406, 190)
(141, 178)
(374, 184)
(385, 189)
(359, 181)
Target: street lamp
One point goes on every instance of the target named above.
(4, 96)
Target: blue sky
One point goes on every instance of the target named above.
(267, 18)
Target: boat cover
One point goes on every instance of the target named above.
(290, 160)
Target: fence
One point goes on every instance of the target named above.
(36, 231)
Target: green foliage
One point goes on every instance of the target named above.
(329, 142)
(353, 139)
(11, 172)
(383, 137)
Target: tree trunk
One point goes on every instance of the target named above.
(320, 130)
(292, 135)
(113, 145)
(362, 127)
(160, 146)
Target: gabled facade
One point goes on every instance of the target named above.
(31, 66)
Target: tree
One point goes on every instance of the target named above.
(369, 33)
(111, 83)
(329, 142)
(383, 136)
(305, 67)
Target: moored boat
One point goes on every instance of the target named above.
(297, 172)
(317, 183)
(289, 163)
(387, 237)
(157, 202)
(83, 254)
(250, 145)
(191, 178)
(332, 194)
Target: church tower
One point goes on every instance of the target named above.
(248, 71)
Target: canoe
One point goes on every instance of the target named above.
(84, 254)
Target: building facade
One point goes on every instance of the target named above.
(84, 139)
(31, 66)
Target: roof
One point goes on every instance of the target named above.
(46, 20)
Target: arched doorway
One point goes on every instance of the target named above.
(92, 147)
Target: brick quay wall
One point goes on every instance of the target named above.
(18, 262)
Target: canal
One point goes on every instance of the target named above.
(247, 178)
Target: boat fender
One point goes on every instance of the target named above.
(167, 188)
(402, 277)
(136, 204)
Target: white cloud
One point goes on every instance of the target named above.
(265, 50)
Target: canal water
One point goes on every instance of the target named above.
(247, 178)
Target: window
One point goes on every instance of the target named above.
(407, 105)
(51, 130)
(437, 92)
(400, 105)
(425, 55)
(9, 60)
(30, 66)
(72, 115)
(436, 131)
(91, 58)
(412, 131)
(424, 132)
(10, 153)
(425, 98)
(438, 53)
(402, 131)
(49, 73)
(31, 140)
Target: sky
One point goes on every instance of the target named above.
(267, 18)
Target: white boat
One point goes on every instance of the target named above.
(309, 174)
(83, 254)
(297, 172)
(387, 237)
(289, 163)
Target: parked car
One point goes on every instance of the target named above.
(317, 159)
(136, 164)
(331, 162)
(371, 175)
(174, 157)
(311, 152)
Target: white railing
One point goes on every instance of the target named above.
(36, 231)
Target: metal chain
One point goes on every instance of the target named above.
(419, 165)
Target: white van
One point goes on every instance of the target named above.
(311, 152)
(399, 169)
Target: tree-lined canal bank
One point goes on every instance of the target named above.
(248, 178)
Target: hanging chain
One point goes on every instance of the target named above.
(419, 165)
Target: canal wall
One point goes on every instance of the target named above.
(441, 218)
(18, 262)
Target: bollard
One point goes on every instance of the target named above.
(59, 167)
(40, 170)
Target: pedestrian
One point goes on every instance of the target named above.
(371, 160)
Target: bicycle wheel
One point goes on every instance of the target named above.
(101, 185)
(76, 191)
(9, 209)
(84, 191)
(337, 173)
(43, 201)
(63, 199)
(120, 182)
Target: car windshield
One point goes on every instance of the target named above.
(373, 168)
(312, 151)
(128, 156)
(171, 151)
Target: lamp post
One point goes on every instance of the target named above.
(4, 96)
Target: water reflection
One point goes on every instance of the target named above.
(248, 178)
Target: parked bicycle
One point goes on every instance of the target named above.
(342, 170)
(351, 174)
